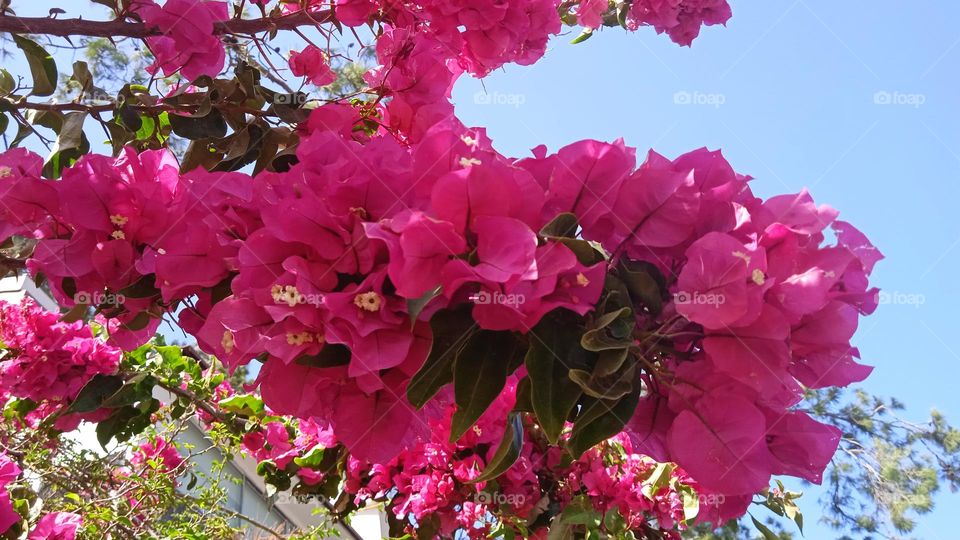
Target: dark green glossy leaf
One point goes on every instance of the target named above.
(95, 392)
(479, 375)
(451, 330)
(600, 419)
(565, 225)
(331, 355)
(610, 387)
(646, 284)
(554, 351)
(416, 306)
(508, 451)
(524, 398)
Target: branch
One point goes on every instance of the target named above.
(120, 28)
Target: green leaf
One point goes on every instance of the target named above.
(586, 252)
(610, 331)
(311, 459)
(70, 145)
(691, 503)
(82, 76)
(451, 330)
(610, 362)
(245, 404)
(552, 393)
(95, 392)
(524, 399)
(646, 284)
(209, 126)
(479, 374)
(600, 419)
(585, 35)
(137, 389)
(331, 355)
(611, 387)
(7, 83)
(565, 225)
(764, 530)
(508, 451)
(148, 127)
(416, 306)
(42, 66)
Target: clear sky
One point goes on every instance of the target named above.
(857, 101)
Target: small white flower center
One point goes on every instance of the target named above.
(369, 301)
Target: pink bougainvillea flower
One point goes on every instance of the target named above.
(354, 12)
(311, 63)
(57, 526)
(9, 472)
(583, 178)
(187, 42)
(28, 201)
(419, 249)
(656, 207)
(721, 442)
(680, 19)
(55, 359)
(590, 12)
(160, 453)
(722, 283)
(821, 349)
(800, 445)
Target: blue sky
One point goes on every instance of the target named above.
(856, 101)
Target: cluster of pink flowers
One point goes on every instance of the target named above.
(437, 479)
(187, 43)
(680, 19)
(275, 444)
(9, 473)
(314, 270)
(57, 526)
(760, 303)
(312, 64)
(47, 360)
(322, 260)
(51, 526)
(159, 454)
(476, 36)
